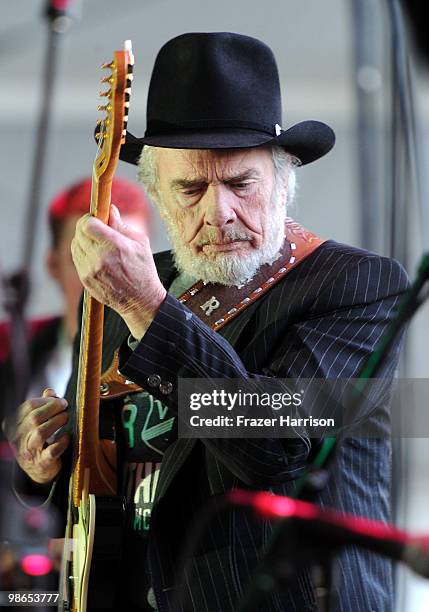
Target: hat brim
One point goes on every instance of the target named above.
(308, 141)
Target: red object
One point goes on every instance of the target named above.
(336, 529)
(274, 506)
(36, 565)
(75, 200)
(60, 5)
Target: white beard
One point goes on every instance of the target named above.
(229, 268)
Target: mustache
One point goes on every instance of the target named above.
(214, 237)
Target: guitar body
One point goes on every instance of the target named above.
(95, 542)
(95, 518)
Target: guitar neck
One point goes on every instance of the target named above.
(94, 460)
(91, 462)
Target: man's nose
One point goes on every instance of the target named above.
(219, 210)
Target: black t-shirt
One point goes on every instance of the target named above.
(147, 430)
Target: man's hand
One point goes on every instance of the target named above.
(37, 420)
(116, 266)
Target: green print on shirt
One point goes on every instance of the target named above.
(147, 431)
(129, 411)
(144, 496)
(129, 415)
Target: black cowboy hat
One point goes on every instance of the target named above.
(221, 91)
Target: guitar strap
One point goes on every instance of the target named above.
(217, 304)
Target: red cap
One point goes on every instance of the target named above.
(127, 196)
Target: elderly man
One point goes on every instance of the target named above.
(222, 171)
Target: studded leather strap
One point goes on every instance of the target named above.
(216, 304)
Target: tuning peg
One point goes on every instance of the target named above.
(108, 65)
(106, 79)
(104, 94)
(104, 107)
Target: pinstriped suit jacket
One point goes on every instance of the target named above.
(322, 320)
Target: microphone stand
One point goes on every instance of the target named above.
(17, 286)
(313, 534)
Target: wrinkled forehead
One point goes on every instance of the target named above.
(207, 163)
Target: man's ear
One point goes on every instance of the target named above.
(52, 264)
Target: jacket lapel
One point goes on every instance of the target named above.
(173, 459)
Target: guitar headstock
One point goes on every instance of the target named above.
(111, 129)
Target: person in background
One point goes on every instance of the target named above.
(51, 337)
